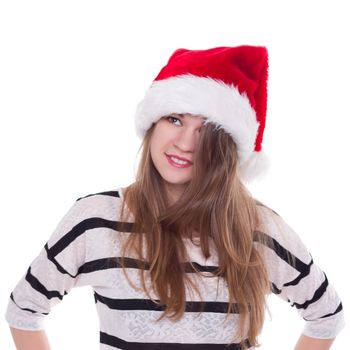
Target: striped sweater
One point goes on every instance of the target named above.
(84, 250)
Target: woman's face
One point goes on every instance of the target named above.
(176, 135)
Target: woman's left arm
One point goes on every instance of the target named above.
(306, 343)
(303, 284)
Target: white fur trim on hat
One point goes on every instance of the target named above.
(220, 103)
(256, 167)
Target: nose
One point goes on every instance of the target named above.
(186, 140)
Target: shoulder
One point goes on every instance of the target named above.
(270, 219)
(273, 224)
(113, 193)
(100, 204)
(93, 210)
(283, 238)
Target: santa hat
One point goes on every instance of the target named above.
(226, 85)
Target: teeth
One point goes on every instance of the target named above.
(178, 161)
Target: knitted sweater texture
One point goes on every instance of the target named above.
(84, 250)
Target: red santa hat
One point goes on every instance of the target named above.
(226, 85)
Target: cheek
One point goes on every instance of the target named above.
(156, 146)
(161, 137)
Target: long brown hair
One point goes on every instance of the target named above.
(216, 205)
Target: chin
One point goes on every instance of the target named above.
(175, 182)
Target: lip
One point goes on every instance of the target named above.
(177, 165)
(181, 158)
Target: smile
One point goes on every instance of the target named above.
(178, 163)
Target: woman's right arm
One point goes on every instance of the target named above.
(30, 340)
(50, 276)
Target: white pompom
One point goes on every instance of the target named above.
(255, 168)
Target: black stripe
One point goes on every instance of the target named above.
(149, 305)
(108, 263)
(38, 286)
(294, 282)
(318, 294)
(25, 309)
(106, 193)
(99, 265)
(303, 274)
(115, 262)
(188, 268)
(122, 344)
(83, 226)
(52, 258)
(274, 289)
(282, 252)
(339, 308)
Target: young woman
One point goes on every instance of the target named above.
(184, 257)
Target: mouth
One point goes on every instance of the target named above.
(177, 163)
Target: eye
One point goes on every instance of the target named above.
(172, 118)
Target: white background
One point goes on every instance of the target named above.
(71, 74)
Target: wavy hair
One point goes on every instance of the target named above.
(215, 205)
